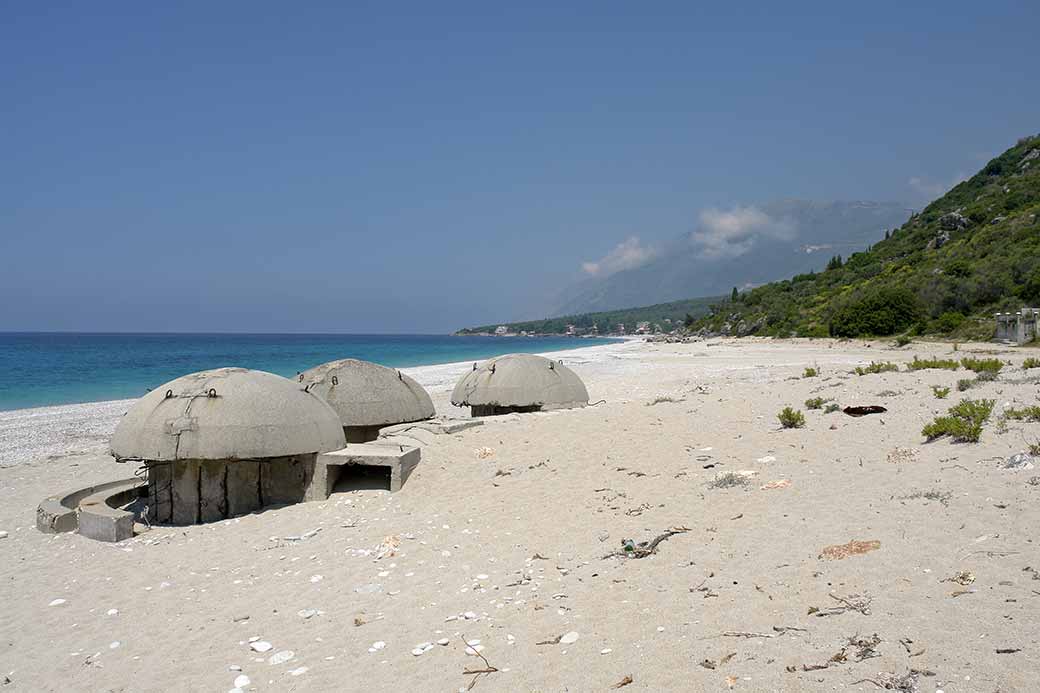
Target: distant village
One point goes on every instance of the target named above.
(620, 330)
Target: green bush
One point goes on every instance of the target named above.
(965, 384)
(1031, 413)
(963, 422)
(1031, 363)
(948, 322)
(982, 365)
(815, 403)
(902, 340)
(882, 312)
(940, 392)
(791, 418)
(919, 364)
(831, 408)
(877, 367)
(810, 373)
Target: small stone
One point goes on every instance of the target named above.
(298, 671)
(113, 645)
(57, 602)
(112, 612)
(377, 645)
(241, 681)
(3, 534)
(482, 576)
(469, 615)
(443, 641)
(234, 667)
(606, 650)
(261, 646)
(570, 638)
(281, 657)
(306, 613)
(317, 578)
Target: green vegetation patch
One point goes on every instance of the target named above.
(919, 364)
(791, 418)
(877, 367)
(940, 392)
(816, 403)
(963, 422)
(982, 365)
(1031, 413)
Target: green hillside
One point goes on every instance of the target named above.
(972, 252)
(607, 321)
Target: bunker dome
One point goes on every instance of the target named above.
(367, 396)
(519, 383)
(225, 442)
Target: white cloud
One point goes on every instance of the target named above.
(628, 254)
(731, 233)
(932, 189)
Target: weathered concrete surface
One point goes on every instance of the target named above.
(367, 395)
(185, 489)
(519, 382)
(226, 414)
(285, 481)
(57, 513)
(160, 493)
(243, 487)
(401, 460)
(99, 516)
(434, 426)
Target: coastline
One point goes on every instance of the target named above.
(43, 433)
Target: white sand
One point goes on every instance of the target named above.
(569, 486)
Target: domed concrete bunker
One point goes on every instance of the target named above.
(368, 396)
(519, 383)
(226, 442)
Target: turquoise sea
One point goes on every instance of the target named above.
(41, 369)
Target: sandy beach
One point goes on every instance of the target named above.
(503, 536)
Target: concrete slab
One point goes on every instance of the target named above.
(400, 459)
(434, 426)
(99, 516)
(57, 513)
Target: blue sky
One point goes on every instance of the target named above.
(392, 167)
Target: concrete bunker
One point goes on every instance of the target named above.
(226, 442)
(519, 383)
(368, 397)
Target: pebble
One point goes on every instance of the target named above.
(368, 589)
(482, 576)
(234, 667)
(112, 612)
(306, 613)
(57, 602)
(261, 646)
(469, 615)
(422, 648)
(377, 645)
(570, 638)
(281, 657)
(297, 671)
(606, 650)
(3, 534)
(317, 578)
(241, 681)
(113, 645)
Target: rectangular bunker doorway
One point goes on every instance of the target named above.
(360, 477)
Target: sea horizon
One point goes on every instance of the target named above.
(41, 369)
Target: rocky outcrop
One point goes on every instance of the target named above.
(954, 221)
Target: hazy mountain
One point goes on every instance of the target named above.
(972, 252)
(737, 247)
